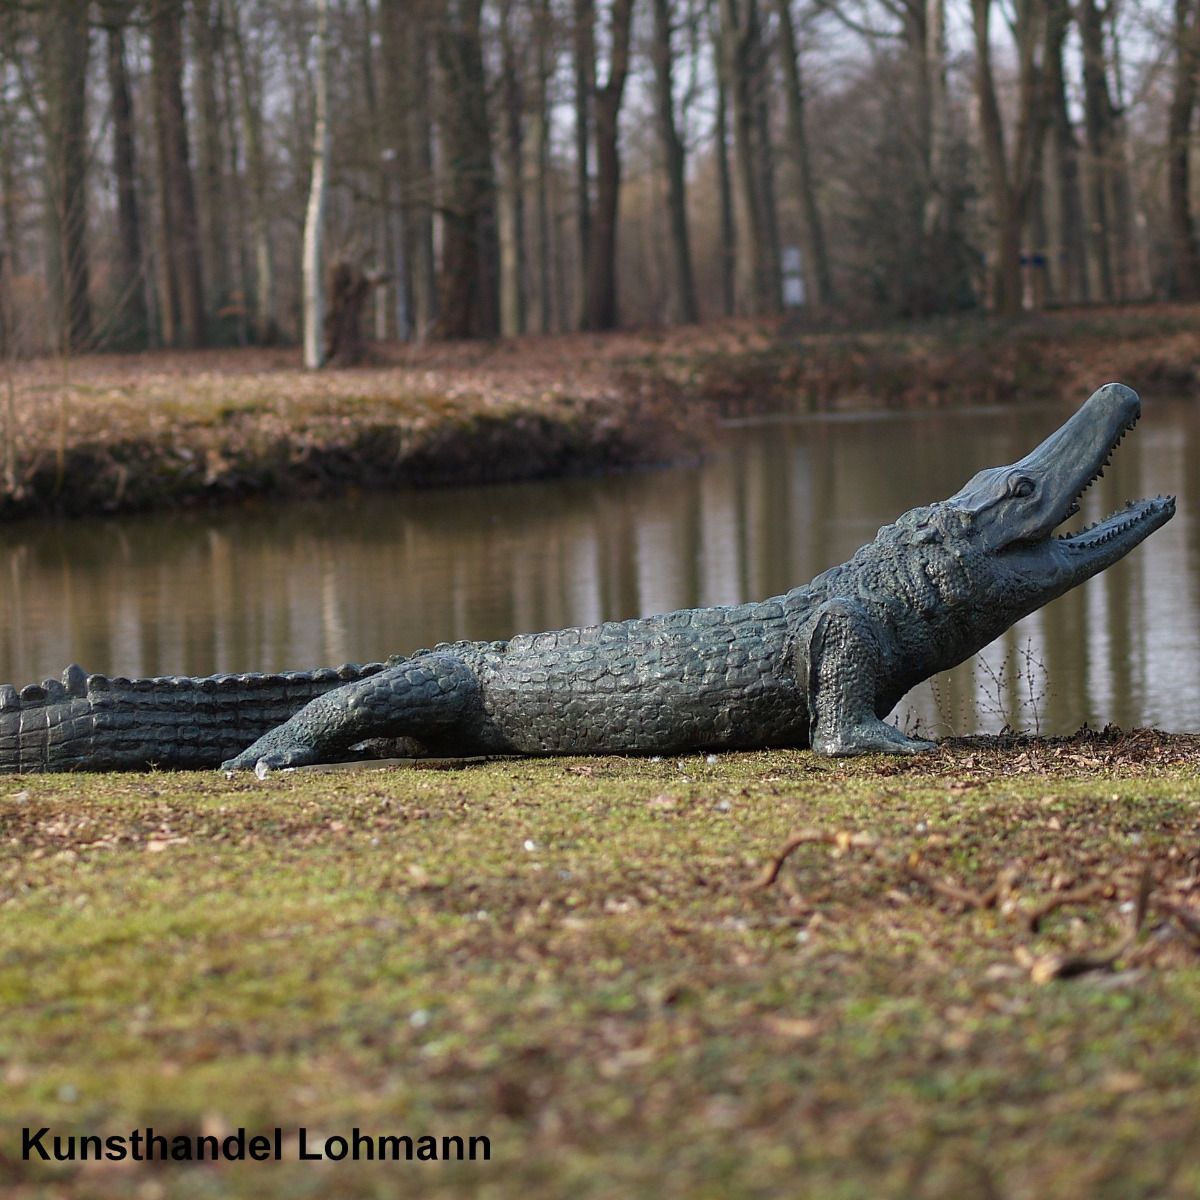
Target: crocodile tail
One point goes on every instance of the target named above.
(95, 723)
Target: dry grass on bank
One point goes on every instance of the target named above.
(109, 433)
(112, 433)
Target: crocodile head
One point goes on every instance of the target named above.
(1012, 513)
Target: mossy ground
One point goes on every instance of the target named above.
(569, 957)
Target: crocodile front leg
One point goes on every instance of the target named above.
(844, 658)
(421, 698)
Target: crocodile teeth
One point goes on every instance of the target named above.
(1130, 515)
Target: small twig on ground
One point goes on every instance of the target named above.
(1048, 967)
(1034, 917)
(1042, 968)
(951, 891)
(841, 838)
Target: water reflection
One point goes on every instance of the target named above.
(272, 588)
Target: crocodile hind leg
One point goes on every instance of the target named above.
(844, 657)
(421, 698)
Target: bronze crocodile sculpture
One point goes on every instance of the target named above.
(819, 666)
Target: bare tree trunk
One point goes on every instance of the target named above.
(817, 279)
(1097, 108)
(212, 204)
(386, 318)
(563, 231)
(183, 297)
(397, 38)
(470, 253)
(512, 192)
(237, 198)
(1185, 256)
(1123, 237)
(1069, 249)
(935, 270)
(585, 86)
(602, 262)
(349, 289)
(266, 319)
(9, 193)
(542, 295)
(1006, 270)
(404, 26)
(9, 237)
(1038, 287)
(1123, 240)
(1011, 187)
(755, 275)
(64, 46)
(418, 224)
(728, 247)
(936, 215)
(764, 161)
(683, 288)
(291, 40)
(314, 220)
(130, 319)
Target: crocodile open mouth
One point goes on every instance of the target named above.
(1135, 513)
(1128, 518)
(1073, 508)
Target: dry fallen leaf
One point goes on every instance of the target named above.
(798, 1028)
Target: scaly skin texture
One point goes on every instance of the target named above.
(819, 666)
(93, 723)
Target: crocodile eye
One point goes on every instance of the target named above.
(1021, 487)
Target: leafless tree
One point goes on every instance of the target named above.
(818, 279)
(1012, 175)
(1186, 48)
(63, 36)
(683, 288)
(601, 312)
(469, 283)
(181, 286)
(129, 319)
(318, 193)
(742, 60)
(512, 189)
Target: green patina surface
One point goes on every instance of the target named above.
(564, 956)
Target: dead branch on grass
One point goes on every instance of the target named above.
(1042, 968)
(842, 839)
(1034, 917)
(1046, 968)
(969, 899)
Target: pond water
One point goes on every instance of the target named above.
(284, 587)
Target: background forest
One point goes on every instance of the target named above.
(511, 166)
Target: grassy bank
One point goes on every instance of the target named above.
(954, 362)
(938, 995)
(108, 434)
(111, 434)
